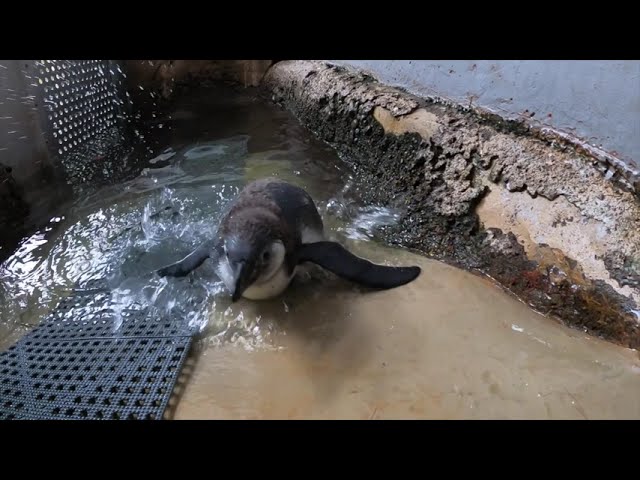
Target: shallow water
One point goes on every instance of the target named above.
(124, 232)
(449, 345)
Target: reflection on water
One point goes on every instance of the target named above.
(449, 345)
(123, 233)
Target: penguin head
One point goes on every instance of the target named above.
(254, 249)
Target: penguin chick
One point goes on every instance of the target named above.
(271, 228)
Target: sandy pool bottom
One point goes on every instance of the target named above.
(450, 345)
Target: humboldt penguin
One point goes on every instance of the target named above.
(269, 230)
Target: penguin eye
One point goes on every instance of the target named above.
(266, 255)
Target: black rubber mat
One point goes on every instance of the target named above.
(91, 360)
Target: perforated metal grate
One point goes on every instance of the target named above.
(89, 316)
(84, 115)
(81, 97)
(88, 360)
(91, 357)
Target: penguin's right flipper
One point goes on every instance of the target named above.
(338, 260)
(209, 249)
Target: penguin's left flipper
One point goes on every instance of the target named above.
(338, 260)
(209, 249)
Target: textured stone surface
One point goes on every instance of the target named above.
(440, 161)
(594, 103)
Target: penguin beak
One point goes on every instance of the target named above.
(242, 275)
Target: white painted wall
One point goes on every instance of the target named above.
(596, 101)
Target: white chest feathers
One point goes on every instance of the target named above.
(272, 282)
(271, 287)
(275, 279)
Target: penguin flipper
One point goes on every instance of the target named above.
(208, 249)
(338, 260)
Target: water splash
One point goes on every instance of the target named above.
(122, 233)
(367, 222)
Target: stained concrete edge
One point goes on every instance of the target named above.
(536, 214)
(592, 103)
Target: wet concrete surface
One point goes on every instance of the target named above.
(450, 345)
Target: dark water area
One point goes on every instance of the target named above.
(190, 160)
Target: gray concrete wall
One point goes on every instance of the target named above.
(594, 101)
(22, 144)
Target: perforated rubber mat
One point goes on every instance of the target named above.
(89, 359)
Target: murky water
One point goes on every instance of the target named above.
(449, 345)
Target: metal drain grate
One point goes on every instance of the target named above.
(82, 98)
(78, 365)
(84, 116)
(84, 316)
(93, 379)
